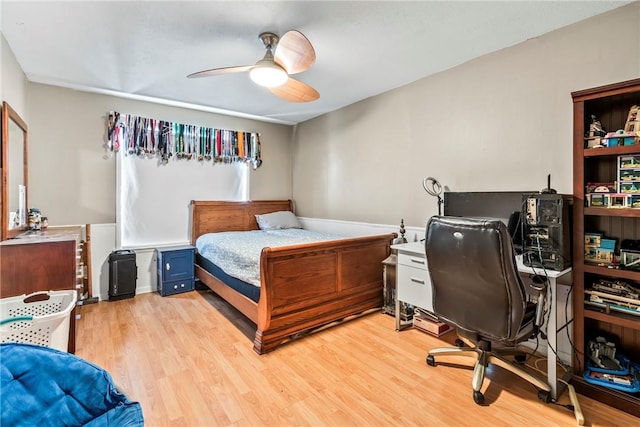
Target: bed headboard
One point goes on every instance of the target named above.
(216, 216)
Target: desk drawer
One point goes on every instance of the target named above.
(414, 287)
(412, 261)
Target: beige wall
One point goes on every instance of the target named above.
(13, 88)
(71, 175)
(500, 122)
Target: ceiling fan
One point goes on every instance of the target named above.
(293, 54)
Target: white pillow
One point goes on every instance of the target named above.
(278, 221)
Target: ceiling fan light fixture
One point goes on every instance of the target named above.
(268, 74)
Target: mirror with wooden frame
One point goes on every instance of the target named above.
(13, 212)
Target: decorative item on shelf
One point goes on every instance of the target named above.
(599, 250)
(595, 128)
(594, 137)
(44, 223)
(600, 187)
(629, 178)
(608, 368)
(617, 200)
(35, 219)
(630, 254)
(595, 193)
(597, 200)
(633, 121)
(616, 295)
(619, 138)
(151, 138)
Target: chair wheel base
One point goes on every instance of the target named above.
(431, 361)
(544, 396)
(520, 358)
(460, 343)
(478, 397)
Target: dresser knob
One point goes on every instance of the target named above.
(168, 266)
(175, 286)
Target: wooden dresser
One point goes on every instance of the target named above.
(42, 261)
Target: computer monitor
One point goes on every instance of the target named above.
(503, 205)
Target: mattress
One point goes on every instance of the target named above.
(236, 254)
(246, 289)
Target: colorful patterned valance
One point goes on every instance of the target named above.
(151, 138)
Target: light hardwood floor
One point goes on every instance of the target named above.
(188, 360)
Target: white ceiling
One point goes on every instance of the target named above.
(363, 48)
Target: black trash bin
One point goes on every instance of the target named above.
(123, 274)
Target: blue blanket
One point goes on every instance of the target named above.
(42, 386)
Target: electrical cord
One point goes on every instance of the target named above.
(547, 312)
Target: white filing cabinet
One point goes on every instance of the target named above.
(413, 283)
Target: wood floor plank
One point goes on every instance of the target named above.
(188, 360)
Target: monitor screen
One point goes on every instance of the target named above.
(503, 205)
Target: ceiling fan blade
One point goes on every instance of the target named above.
(220, 71)
(295, 91)
(295, 52)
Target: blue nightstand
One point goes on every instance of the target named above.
(175, 269)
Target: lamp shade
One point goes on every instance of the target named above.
(268, 73)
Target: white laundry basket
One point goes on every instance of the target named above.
(42, 322)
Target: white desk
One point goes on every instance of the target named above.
(413, 286)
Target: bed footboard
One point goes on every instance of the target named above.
(307, 286)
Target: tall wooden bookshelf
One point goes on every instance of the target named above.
(610, 105)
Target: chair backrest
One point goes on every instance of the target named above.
(476, 285)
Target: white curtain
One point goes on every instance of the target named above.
(153, 199)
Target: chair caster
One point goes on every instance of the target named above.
(544, 396)
(431, 361)
(478, 397)
(520, 358)
(460, 343)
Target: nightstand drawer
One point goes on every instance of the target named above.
(177, 287)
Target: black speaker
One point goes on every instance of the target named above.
(547, 231)
(123, 274)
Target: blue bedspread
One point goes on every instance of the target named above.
(42, 386)
(237, 253)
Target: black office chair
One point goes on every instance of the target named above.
(477, 290)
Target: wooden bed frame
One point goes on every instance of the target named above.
(303, 287)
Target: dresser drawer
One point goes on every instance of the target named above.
(176, 287)
(414, 286)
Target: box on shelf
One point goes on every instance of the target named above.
(630, 187)
(632, 161)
